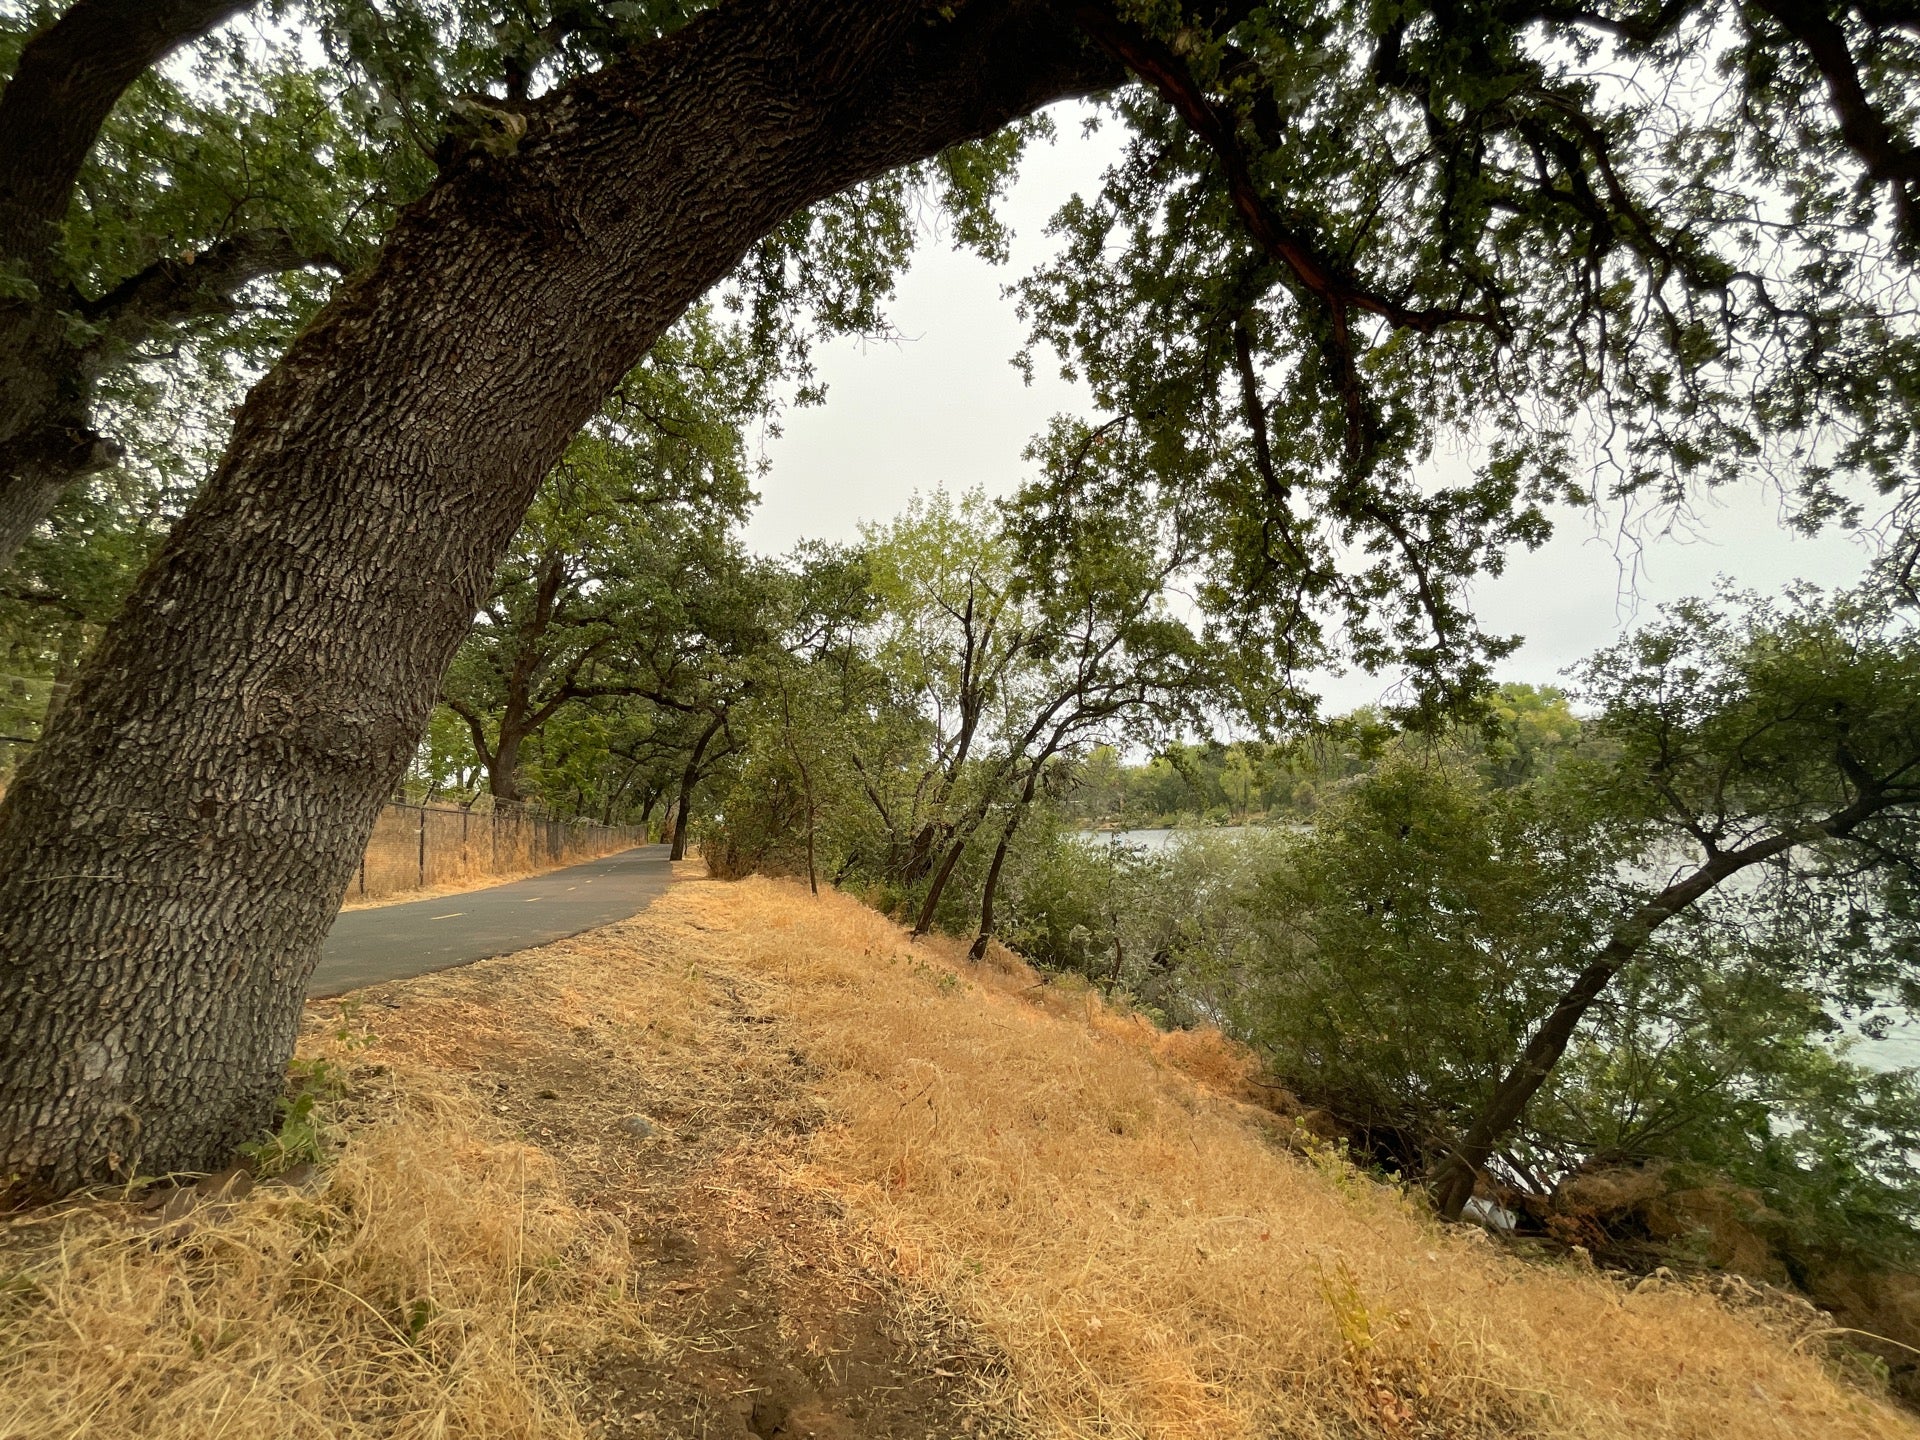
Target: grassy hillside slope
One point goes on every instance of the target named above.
(752, 1165)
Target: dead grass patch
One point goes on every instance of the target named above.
(751, 1165)
(669, 1087)
(1152, 1261)
(422, 1290)
(668, 1279)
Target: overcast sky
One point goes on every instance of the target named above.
(944, 407)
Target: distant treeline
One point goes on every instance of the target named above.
(1232, 782)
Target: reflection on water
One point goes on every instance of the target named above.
(1158, 839)
(1901, 1049)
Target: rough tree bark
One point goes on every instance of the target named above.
(1455, 1179)
(173, 853)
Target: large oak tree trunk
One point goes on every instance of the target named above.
(502, 781)
(174, 851)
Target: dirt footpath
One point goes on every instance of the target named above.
(669, 1095)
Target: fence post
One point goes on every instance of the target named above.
(423, 847)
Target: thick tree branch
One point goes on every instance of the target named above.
(1316, 273)
(36, 466)
(476, 725)
(1454, 1180)
(1643, 28)
(198, 286)
(44, 598)
(1888, 159)
(68, 80)
(66, 83)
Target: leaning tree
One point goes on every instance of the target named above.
(1337, 227)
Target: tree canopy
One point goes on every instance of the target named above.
(1369, 295)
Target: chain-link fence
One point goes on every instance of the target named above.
(418, 847)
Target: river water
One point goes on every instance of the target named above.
(1900, 1048)
(1146, 839)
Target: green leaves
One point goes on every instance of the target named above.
(1739, 714)
(1345, 234)
(627, 592)
(1410, 939)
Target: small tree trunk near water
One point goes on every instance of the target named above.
(1455, 1179)
(978, 951)
(938, 886)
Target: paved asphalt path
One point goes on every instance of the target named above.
(391, 942)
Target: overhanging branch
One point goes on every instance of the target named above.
(198, 286)
(67, 82)
(1315, 272)
(1316, 276)
(1888, 159)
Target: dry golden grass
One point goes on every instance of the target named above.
(420, 1291)
(1151, 1262)
(1125, 1247)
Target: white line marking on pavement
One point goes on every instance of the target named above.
(448, 916)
